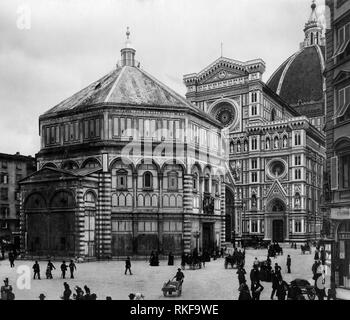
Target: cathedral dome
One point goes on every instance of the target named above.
(299, 79)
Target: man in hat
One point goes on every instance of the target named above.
(179, 275)
(36, 269)
(72, 267)
(6, 291)
(42, 296)
(67, 292)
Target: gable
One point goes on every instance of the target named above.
(221, 74)
(276, 190)
(48, 173)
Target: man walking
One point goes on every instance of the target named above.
(36, 269)
(275, 284)
(289, 263)
(72, 267)
(49, 269)
(128, 265)
(12, 259)
(63, 269)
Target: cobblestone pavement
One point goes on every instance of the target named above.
(108, 279)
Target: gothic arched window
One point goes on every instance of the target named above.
(273, 115)
(147, 180)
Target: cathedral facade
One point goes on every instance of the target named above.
(276, 156)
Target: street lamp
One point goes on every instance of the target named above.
(244, 226)
(196, 235)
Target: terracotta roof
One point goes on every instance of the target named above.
(300, 78)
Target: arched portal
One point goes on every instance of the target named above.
(50, 224)
(229, 216)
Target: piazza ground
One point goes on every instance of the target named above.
(108, 279)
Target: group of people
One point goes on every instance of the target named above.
(50, 267)
(236, 258)
(79, 293)
(279, 286)
(274, 249)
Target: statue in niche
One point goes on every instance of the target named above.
(267, 143)
(284, 142)
(238, 146)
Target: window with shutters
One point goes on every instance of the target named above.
(254, 177)
(297, 160)
(172, 181)
(342, 42)
(254, 143)
(345, 171)
(334, 173)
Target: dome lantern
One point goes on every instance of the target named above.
(313, 29)
(128, 52)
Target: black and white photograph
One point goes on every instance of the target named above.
(175, 151)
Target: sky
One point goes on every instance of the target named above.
(50, 49)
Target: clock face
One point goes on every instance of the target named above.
(222, 74)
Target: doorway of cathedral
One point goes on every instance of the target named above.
(208, 242)
(277, 231)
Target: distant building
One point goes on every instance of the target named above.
(13, 168)
(337, 186)
(299, 80)
(127, 166)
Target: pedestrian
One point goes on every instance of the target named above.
(72, 267)
(241, 274)
(179, 276)
(289, 263)
(244, 293)
(254, 274)
(87, 293)
(49, 269)
(275, 284)
(6, 291)
(256, 262)
(282, 290)
(79, 295)
(42, 296)
(323, 256)
(278, 270)
(170, 259)
(12, 259)
(222, 252)
(317, 256)
(67, 292)
(128, 265)
(36, 269)
(256, 288)
(63, 269)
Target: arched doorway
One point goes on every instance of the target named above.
(229, 216)
(50, 228)
(277, 209)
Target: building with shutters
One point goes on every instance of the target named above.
(13, 168)
(126, 166)
(337, 186)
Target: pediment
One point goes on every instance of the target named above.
(222, 69)
(48, 173)
(221, 74)
(276, 190)
(341, 76)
